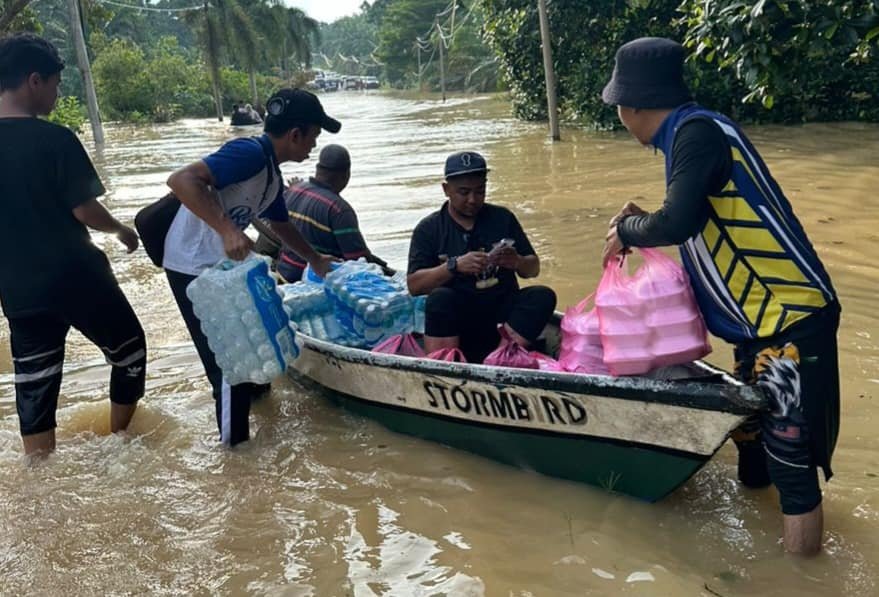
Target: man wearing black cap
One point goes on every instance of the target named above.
(758, 281)
(220, 195)
(465, 257)
(324, 218)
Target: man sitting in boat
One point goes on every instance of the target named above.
(323, 217)
(759, 282)
(465, 257)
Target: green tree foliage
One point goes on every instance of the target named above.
(763, 60)
(17, 15)
(403, 22)
(347, 45)
(164, 83)
(69, 112)
(585, 36)
(802, 59)
(469, 62)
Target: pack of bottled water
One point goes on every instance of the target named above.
(312, 311)
(368, 304)
(418, 305)
(245, 323)
(418, 302)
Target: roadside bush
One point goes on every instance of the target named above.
(70, 113)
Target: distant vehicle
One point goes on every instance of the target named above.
(353, 83)
(332, 82)
(371, 83)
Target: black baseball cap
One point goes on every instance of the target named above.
(465, 162)
(300, 107)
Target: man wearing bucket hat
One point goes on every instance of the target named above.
(465, 257)
(221, 195)
(758, 281)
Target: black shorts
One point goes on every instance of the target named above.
(99, 310)
(798, 371)
(474, 318)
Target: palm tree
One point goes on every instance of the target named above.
(301, 31)
(286, 27)
(222, 20)
(253, 34)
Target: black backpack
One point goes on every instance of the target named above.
(153, 221)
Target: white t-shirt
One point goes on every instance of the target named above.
(249, 185)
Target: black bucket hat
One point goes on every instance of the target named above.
(648, 74)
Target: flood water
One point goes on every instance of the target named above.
(321, 502)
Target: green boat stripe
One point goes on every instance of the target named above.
(342, 231)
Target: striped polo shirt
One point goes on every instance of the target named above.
(326, 221)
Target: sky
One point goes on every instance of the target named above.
(327, 10)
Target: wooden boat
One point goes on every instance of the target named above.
(641, 436)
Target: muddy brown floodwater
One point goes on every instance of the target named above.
(325, 503)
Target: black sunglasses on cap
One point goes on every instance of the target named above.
(298, 105)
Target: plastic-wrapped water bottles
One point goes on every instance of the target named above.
(311, 310)
(418, 305)
(303, 298)
(367, 304)
(244, 321)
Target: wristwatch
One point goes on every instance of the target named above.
(452, 264)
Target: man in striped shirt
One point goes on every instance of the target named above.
(323, 217)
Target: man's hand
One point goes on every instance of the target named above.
(323, 264)
(507, 258)
(472, 263)
(629, 209)
(236, 244)
(128, 237)
(293, 181)
(613, 246)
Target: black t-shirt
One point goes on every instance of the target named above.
(701, 166)
(44, 174)
(438, 237)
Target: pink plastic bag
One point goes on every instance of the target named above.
(453, 355)
(581, 350)
(402, 344)
(648, 319)
(546, 363)
(510, 354)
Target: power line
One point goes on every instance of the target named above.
(148, 8)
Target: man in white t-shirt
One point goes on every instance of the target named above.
(220, 195)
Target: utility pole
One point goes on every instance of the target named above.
(442, 45)
(82, 61)
(418, 49)
(549, 72)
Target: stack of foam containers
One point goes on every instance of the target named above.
(678, 332)
(246, 326)
(367, 304)
(650, 322)
(581, 349)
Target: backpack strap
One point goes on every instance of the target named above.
(272, 169)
